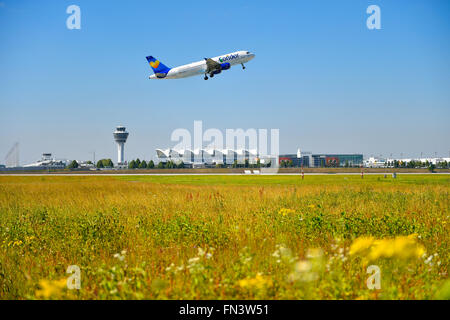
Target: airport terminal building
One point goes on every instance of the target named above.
(224, 157)
(227, 157)
(337, 160)
(308, 159)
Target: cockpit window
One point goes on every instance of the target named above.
(248, 52)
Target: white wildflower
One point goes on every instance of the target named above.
(201, 252)
(193, 260)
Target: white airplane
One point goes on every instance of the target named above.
(208, 66)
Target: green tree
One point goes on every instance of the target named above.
(161, 165)
(108, 163)
(150, 164)
(105, 163)
(132, 164)
(143, 165)
(258, 163)
(170, 165)
(431, 167)
(180, 165)
(246, 162)
(395, 163)
(73, 165)
(235, 164)
(138, 162)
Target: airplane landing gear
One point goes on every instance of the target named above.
(206, 77)
(211, 75)
(243, 67)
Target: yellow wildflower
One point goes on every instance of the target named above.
(258, 282)
(360, 245)
(15, 243)
(50, 288)
(29, 238)
(285, 211)
(402, 247)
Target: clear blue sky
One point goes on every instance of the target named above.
(320, 76)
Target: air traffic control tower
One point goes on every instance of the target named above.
(120, 136)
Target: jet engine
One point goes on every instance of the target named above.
(225, 66)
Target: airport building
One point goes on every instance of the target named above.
(373, 162)
(47, 162)
(307, 159)
(300, 159)
(229, 156)
(337, 160)
(212, 156)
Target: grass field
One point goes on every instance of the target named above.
(224, 237)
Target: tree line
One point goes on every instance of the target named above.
(102, 163)
(416, 164)
(247, 164)
(138, 164)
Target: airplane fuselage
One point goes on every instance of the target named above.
(200, 67)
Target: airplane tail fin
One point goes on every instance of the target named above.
(158, 67)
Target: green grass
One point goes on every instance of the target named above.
(221, 237)
(265, 180)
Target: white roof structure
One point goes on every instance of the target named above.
(172, 153)
(47, 161)
(207, 155)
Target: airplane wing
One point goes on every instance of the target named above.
(211, 65)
